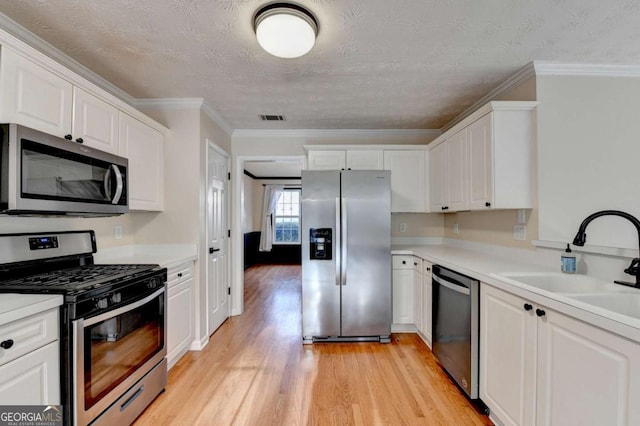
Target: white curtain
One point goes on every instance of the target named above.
(271, 195)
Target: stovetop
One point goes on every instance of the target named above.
(77, 280)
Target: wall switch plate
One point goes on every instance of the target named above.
(522, 216)
(117, 230)
(519, 232)
(403, 227)
(456, 229)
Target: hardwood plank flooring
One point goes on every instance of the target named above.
(256, 371)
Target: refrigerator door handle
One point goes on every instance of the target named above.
(336, 242)
(343, 242)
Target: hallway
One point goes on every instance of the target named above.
(255, 371)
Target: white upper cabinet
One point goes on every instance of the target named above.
(326, 160)
(33, 96)
(95, 121)
(408, 180)
(456, 177)
(143, 146)
(365, 160)
(484, 162)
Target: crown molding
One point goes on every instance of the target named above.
(185, 103)
(523, 74)
(21, 34)
(333, 133)
(595, 70)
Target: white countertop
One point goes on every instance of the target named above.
(166, 255)
(485, 267)
(16, 306)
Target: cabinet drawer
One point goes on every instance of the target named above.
(28, 334)
(417, 264)
(426, 267)
(179, 273)
(402, 262)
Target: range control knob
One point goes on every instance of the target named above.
(116, 298)
(102, 303)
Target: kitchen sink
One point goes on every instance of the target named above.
(622, 303)
(564, 283)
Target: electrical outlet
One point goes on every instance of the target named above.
(403, 227)
(522, 217)
(519, 232)
(456, 229)
(117, 230)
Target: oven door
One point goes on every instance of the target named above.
(113, 350)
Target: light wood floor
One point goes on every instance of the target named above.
(255, 371)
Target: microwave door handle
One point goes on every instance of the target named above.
(107, 183)
(119, 184)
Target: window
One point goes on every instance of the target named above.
(286, 229)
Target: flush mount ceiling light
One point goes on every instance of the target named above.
(285, 30)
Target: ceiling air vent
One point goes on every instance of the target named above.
(271, 117)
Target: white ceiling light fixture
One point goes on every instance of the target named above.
(285, 30)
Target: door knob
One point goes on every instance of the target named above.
(212, 250)
(7, 344)
(528, 306)
(540, 312)
(80, 140)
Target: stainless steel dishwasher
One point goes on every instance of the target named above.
(456, 326)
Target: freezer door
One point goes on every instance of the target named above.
(320, 288)
(366, 253)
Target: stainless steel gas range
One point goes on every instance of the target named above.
(113, 322)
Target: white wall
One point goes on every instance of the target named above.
(588, 152)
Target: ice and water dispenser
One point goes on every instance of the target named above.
(320, 247)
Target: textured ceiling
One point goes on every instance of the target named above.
(377, 64)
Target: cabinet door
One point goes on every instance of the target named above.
(417, 300)
(32, 379)
(427, 309)
(402, 296)
(95, 121)
(32, 96)
(326, 160)
(456, 181)
(437, 178)
(586, 375)
(365, 160)
(480, 176)
(143, 146)
(507, 356)
(408, 180)
(179, 321)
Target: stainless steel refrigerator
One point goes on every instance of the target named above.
(346, 255)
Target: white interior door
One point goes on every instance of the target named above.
(217, 268)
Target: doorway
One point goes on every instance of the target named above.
(265, 170)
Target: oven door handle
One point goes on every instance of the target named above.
(451, 286)
(122, 310)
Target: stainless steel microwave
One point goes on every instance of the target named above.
(41, 174)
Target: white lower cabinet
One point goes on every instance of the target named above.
(30, 360)
(417, 293)
(426, 302)
(541, 367)
(32, 379)
(180, 312)
(402, 282)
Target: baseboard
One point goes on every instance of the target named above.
(403, 328)
(198, 345)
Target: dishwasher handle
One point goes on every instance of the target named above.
(451, 286)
